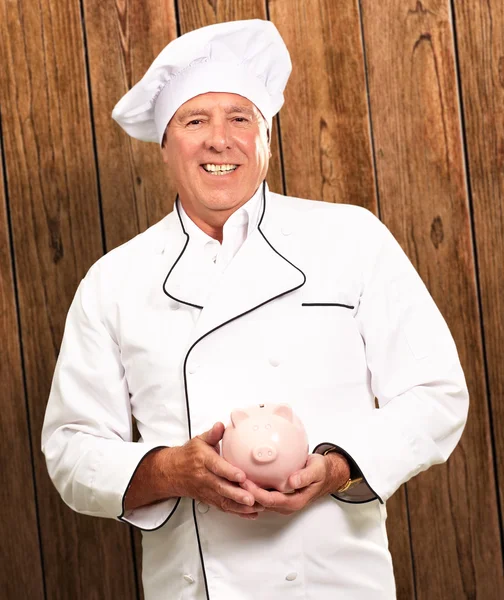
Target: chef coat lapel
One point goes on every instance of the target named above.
(257, 275)
(186, 279)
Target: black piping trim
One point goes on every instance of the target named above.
(355, 501)
(120, 517)
(215, 329)
(200, 550)
(327, 304)
(354, 469)
(179, 257)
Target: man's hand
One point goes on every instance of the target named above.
(321, 475)
(198, 471)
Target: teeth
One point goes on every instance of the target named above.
(219, 169)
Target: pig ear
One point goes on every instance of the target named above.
(237, 416)
(284, 411)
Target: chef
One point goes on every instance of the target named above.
(241, 296)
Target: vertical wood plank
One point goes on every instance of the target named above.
(193, 15)
(56, 235)
(123, 38)
(416, 121)
(480, 43)
(327, 149)
(20, 557)
(325, 122)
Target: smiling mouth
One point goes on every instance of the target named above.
(219, 169)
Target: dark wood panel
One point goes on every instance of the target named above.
(420, 167)
(123, 39)
(193, 15)
(20, 558)
(480, 35)
(325, 123)
(56, 234)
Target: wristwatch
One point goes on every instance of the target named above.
(351, 482)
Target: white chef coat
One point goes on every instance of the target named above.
(320, 308)
(210, 258)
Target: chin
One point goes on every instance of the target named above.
(223, 201)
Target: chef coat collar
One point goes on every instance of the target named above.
(258, 274)
(247, 214)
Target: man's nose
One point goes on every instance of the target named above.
(219, 137)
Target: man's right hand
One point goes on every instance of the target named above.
(199, 472)
(195, 470)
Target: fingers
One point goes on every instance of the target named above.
(207, 477)
(233, 493)
(220, 467)
(214, 435)
(229, 505)
(278, 501)
(313, 472)
(263, 497)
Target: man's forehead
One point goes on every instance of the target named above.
(205, 103)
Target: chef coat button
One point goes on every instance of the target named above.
(203, 508)
(189, 578)
(192, 368)
(291, 576)
(286, 230)
(274, 362)
(174, 305)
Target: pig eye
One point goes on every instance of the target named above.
(255, 428)
(268, 426)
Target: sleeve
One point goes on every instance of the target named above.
(87, 430)
(416, 378)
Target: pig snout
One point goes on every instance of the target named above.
(264, 454)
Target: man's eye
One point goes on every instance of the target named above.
(241, 119)
(195, 122)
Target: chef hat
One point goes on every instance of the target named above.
(248, 58)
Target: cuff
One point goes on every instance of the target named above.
(110, 485)
(154, 516)
(357, 494)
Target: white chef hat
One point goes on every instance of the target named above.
(248, 58)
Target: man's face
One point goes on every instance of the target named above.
(216, 149)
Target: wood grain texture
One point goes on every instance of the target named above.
(480, 34)
(193, 15)
(421, 177)
(56, 236)
(20, 558)
(56, 185)
(325, 123)
(123, 38)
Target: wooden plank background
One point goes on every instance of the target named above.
(393, 105)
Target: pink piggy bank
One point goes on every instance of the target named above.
(268, 442)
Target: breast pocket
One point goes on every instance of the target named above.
(326, 342)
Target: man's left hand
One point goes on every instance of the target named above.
(321, 475)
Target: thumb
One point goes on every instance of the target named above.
(213, 436)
